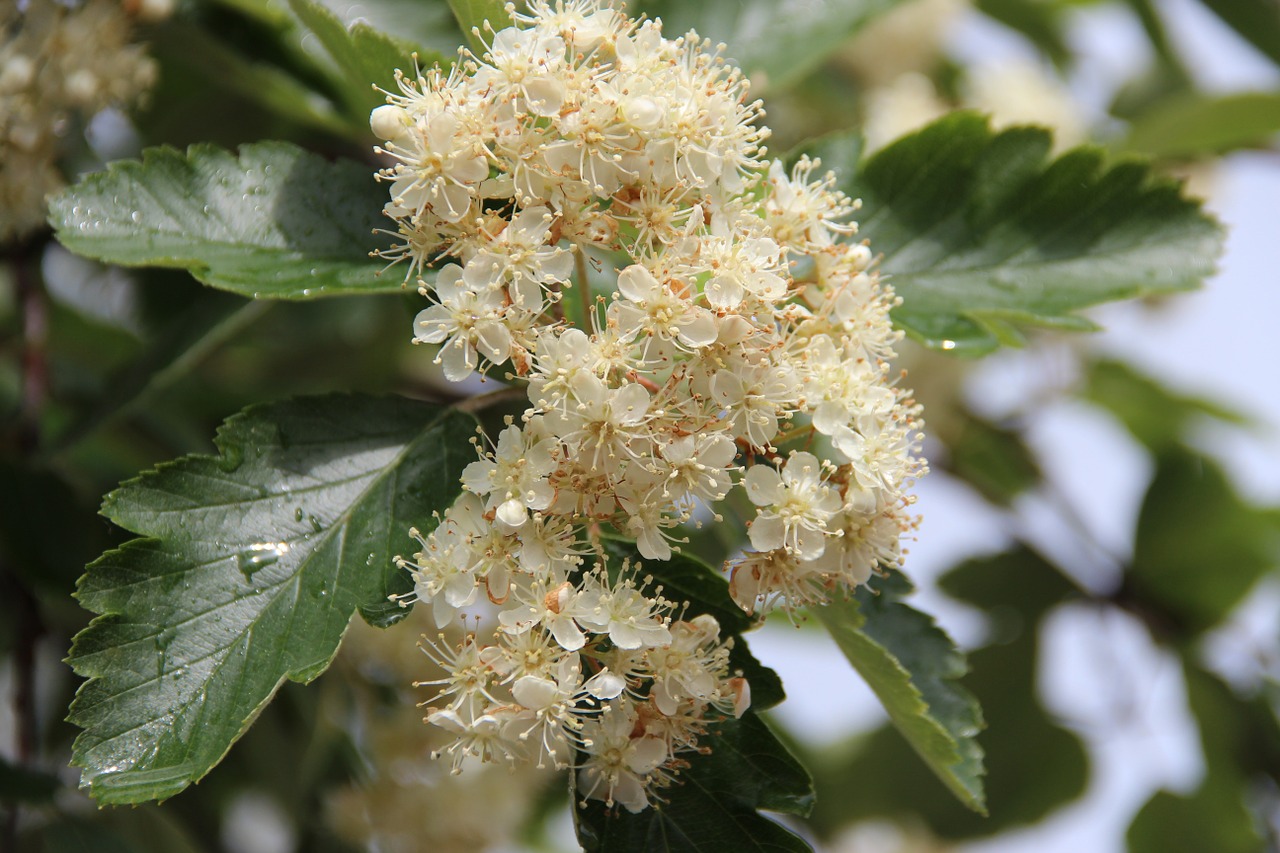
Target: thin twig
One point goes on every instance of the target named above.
(582, 274)
(35, 338)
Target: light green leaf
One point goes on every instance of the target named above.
(712, 808)
(774, 42)
(429, 23)
(1157, 417)
(912, 666)
(1022, 741)
(363, 56)
(276, 222)
(1197, 125)
(981, 235)
(473, 15)
(253, 563)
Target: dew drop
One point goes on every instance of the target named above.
(258, 556)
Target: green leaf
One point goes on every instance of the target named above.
(275, 222)
(78, 835)
(208, 64)
(1257, 22)
(429, 23)
(475, 14)
(774, 44)
(185, 340)
(1021, 742)
(24, 785)
(1215, 816)
(981, 236)
(1199, 548)
(1197, 125)
(911, 665)
(1039, 21)
(992, 459)
(37, 509)
(364, 57)
(1156, 416)
(713, 805)
(253, 563)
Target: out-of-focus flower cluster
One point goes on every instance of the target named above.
(59, 63)
(483, 809)
(595, 201)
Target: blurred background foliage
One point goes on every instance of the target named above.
(104, 372)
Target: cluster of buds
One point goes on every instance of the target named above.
(725, 332)
(60, 62)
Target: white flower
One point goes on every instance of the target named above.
(602, 423)
(795, 506)
(660, 312)
(630, 618)
(516, 478)
(690, 666)
(437, 172)
(619, 763)
(521, 258)
(466, 321)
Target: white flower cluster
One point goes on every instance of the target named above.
(59, 62)
(720, 316)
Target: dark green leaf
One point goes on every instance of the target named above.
(79, 836)
(1019, 580)
(187, 339)
(474, 15)
(1199, 548)
(37, 511)
(1156, 416)
(1196, 125)
(981, 236)
(1039, 21)
(912, 666)
(992, 459)
(254, 562)
(22, 784)
(775, 45)
(276, 222)
(364, 57)
(189, 54)
(1215, 816)
(713, 806)
(1257, 21)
